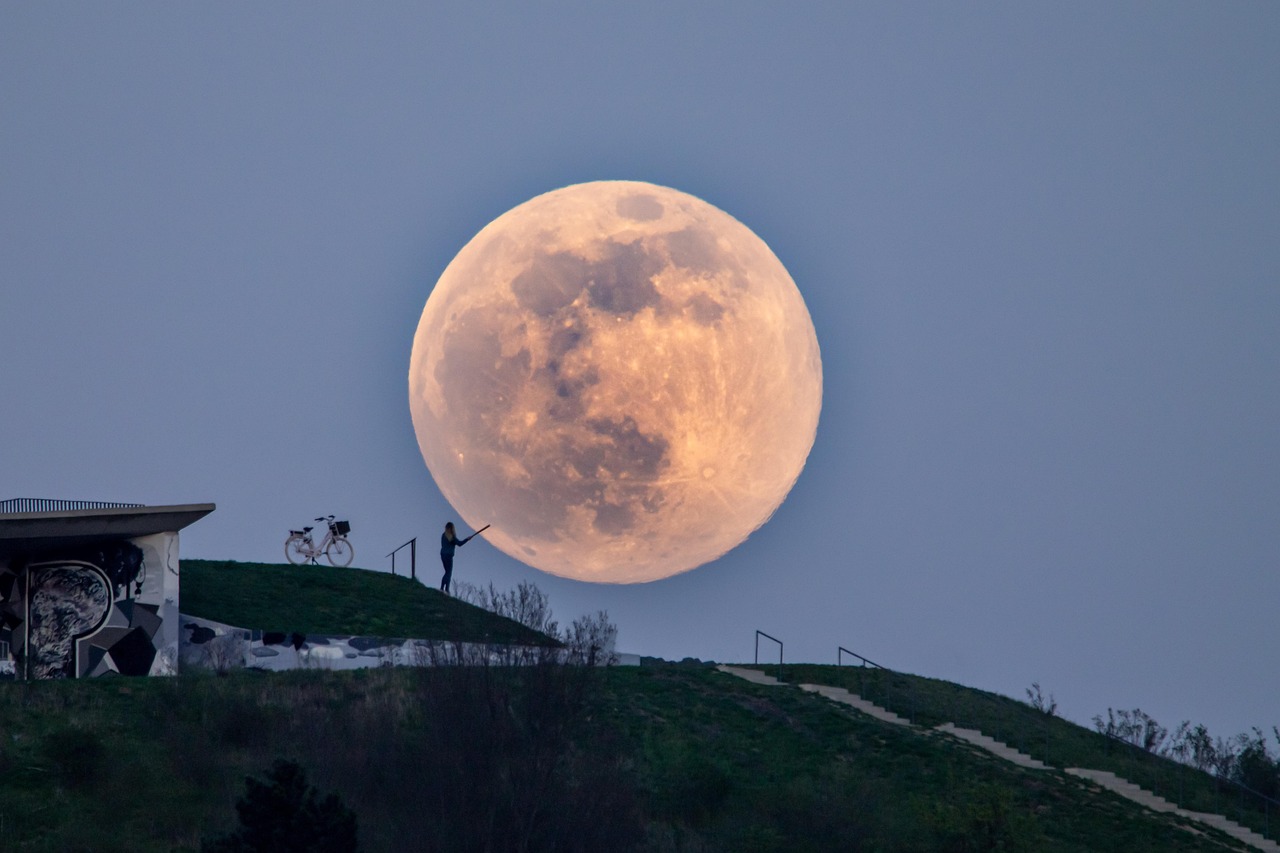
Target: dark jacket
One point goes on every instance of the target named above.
(446, 546)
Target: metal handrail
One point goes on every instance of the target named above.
(865, 661)
(760, 634)
(1148, 755)
(413, 558)
(14, 505)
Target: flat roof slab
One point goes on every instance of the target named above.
(29, 532)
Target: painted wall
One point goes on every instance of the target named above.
(213, 645)
(210, 644)
(82, 612)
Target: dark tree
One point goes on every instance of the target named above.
(285, 815)
(1255, 768)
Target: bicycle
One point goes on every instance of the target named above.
(300, 548)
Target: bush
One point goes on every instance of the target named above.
(1255, 768)
(1035, 698)
(588, 641)
(1135, 727)
(285, 815)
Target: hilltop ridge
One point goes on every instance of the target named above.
(328, 600)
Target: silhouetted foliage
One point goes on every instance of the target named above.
(525, 604)
(1036, 700)
(588, 641)
(1243, 759)
(1255, 767)
(285, 815)
(1135, 727)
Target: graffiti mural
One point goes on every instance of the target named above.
(214, 645)
(67, 602)
(110, 609)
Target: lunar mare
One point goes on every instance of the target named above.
(619, 377)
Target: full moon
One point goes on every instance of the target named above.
(619, 377)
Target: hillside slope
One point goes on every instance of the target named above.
(662, 757)
(328, 600)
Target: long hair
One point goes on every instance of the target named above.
(448, 531)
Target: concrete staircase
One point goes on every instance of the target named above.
(1138, 794)
(1100, 778)
(992, 746)
(839, 694)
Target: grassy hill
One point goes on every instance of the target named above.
(928, 702)
(328, 600)
(664, 757)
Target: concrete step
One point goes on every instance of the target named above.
(1102, 778)
(1125, 788)
(1138, 794)
(755, 676)
(993, 746)
(839, 694)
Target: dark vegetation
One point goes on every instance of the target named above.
(1245, 759)
(283, 814)
(479, 754)
(664, 757)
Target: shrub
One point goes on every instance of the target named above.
(1035, 699)
(285, 815)
(226, 652)
(1135, 727)
(590, 641)
(1255, 768)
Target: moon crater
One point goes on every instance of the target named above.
(620, 377)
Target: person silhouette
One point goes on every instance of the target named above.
(448, 541)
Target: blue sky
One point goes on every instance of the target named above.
(1038, 242)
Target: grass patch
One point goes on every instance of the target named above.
(1060, 743)
(658, 758)
(735, 766)
(328, 600)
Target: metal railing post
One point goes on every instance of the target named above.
(413, 558)
(16, 505)
(842, 650)
(760, 634)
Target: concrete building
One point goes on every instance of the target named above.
(90, 589)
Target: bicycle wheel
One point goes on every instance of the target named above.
(297, 550)
(340, 552)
